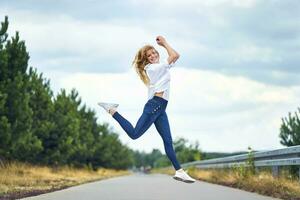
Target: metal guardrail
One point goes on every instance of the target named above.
(274, 158)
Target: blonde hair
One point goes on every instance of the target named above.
(140, 61)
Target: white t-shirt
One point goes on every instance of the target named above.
(159, 76)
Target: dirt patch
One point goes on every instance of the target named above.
(23, 194)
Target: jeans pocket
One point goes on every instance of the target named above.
(152, 107)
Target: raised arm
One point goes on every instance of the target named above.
(173, 55)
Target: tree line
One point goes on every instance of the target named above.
(38, 127)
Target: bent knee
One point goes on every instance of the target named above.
(136, 134)
(134, 137)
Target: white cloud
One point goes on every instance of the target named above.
(67, 41)
(207, 87)
(84, 38)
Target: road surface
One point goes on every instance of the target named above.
(149, 187)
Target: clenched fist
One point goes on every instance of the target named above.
(160, 40)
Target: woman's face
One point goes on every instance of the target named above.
(152, 56)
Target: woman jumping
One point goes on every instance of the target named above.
(156, 77)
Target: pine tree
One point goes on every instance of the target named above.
(85, 147)
(42, 107)
(24, 145)
(290, 136)
(3, 30)
(290, 130)
(110, 152)
(62, 142)
(5, 129)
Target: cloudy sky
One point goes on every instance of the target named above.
(237, 76)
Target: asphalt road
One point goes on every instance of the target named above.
(149, 187)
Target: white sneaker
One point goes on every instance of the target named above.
(181, 175)
(108, 106)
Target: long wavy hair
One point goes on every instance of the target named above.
(140, 61)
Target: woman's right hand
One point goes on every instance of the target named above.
(161, 40)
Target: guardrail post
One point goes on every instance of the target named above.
(275, 171)
(299, 172)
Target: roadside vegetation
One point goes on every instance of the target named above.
(21, 180)
(262, 183)
(247, 177)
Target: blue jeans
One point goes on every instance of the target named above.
(154, 112)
